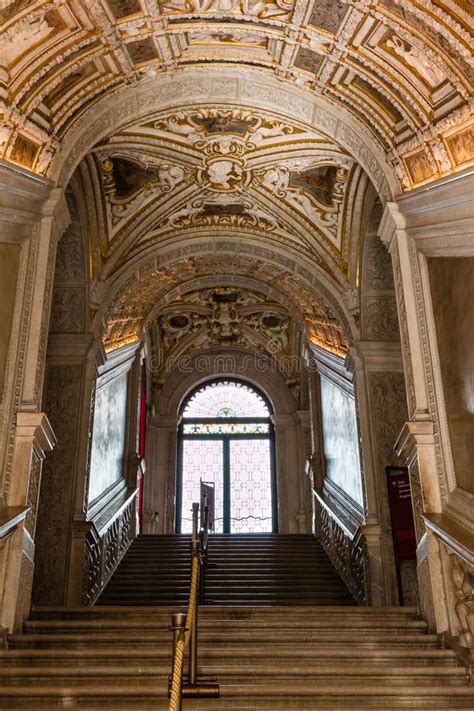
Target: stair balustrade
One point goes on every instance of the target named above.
(345, 544)
(106, 540)
(457, 557)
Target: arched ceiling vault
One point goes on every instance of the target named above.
(233, 140)
(398, 70)
(149, 291)
(222, 170)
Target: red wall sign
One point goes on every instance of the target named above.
(401, 513)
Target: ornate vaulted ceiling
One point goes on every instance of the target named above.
(225, 317)
(220, 169)
(401, 69)
(233, 140)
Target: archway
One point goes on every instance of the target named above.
(226, 438)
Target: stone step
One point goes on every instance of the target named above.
(287, 688)
(217, 586)
(314, 623)
(143, 638)
(337, 614)
(269, 665)
(276, 575)
(286, 654)
(296, 703)
(154, 600)
(86, 677)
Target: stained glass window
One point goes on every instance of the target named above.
(221, 428)
(226, 438)
(226, 398)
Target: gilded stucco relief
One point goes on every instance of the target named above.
(225, 317)
(229, 167)
(141, 301)
(401, 70)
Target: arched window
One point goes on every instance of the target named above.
(226, 438)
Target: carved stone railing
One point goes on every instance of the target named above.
(458, 544)
(345, 544)
(106, 541)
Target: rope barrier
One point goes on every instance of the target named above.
(183, 641)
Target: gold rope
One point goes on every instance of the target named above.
(183, 640)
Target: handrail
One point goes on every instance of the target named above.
(458, 539)
(185, 627)
(10, 517)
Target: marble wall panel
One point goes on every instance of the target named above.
(341, 441)
(9, 261)
(108, 435)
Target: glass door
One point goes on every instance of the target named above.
(250, 475)
(232, 446)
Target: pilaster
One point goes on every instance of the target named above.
(434, 221)
(381, 402)
(33, 216)
(160, 478)
(33, 438)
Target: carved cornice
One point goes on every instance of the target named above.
(35, 428)
(415, 446)
(437, 217)
(22, 194)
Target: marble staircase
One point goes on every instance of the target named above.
(308, 657)
(247, 569)
(280, 631)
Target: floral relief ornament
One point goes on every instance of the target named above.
(256, 8)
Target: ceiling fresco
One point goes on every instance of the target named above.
(401, 69)
(221, 169)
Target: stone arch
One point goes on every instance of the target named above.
(144, 282)
(292, 485)
(215, 85)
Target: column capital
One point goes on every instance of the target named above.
(392, 221)
(285, 420)
(379, 355)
